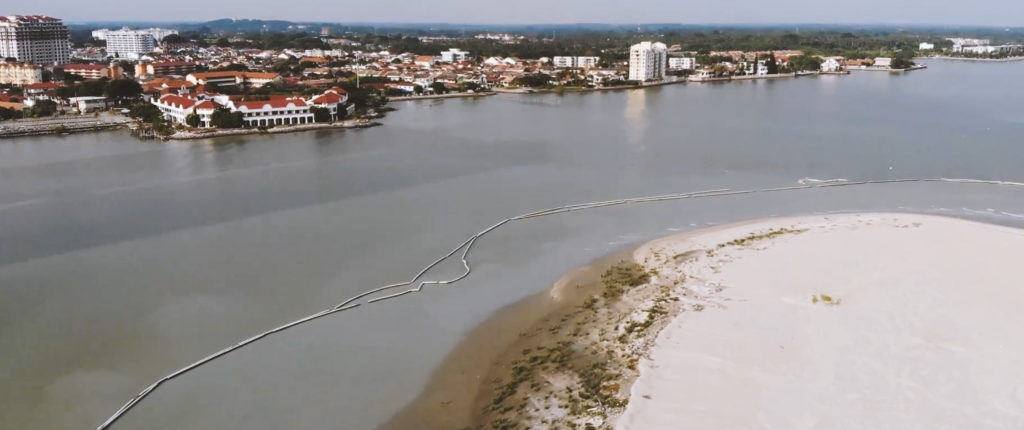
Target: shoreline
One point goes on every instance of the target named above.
(614, 339)
(440, 96)
(213, 133)
(989, 60)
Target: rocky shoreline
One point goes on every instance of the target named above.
(212, 133)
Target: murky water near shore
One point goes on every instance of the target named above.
(122, 261)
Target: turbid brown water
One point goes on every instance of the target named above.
(122, 261)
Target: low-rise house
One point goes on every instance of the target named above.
(408, 87)
(883, 62)
(163, 68)
(88, 104)
(94, 71)
(42, 89)
(424, 61)
(253, 79)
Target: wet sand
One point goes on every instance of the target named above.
(459, 391)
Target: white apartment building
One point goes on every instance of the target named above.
(647, 61)
(131, 44)
(968, 42)
(157, 33)
(20, 74)
(454, 55)
(682, 63)
(581, 62)
(989, 49)
(34, 38)
(926, 46)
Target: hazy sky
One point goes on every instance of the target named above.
(953, 12)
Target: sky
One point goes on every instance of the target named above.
(940, 12)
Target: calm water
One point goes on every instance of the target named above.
(121, 261)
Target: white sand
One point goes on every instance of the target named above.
(929, 333)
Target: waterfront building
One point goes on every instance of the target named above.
(281, 110)
(926, 46)
(581, 62)
(94, 71)
(333, 100)
(647, 61)
(832, 64)
(20, 74)
(882, 62)
(454, 55)
(34, 38)
(682, 63)
(253, 79)
(131, 44)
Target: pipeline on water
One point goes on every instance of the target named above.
(805, 183)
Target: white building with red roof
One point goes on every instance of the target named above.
(333, 99)
(256, 113)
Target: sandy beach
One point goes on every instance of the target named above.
(849, 321)
(838, 321)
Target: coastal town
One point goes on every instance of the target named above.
(171, 85)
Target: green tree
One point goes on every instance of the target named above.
(223, 42)
(224, 118)
(122, 89)
(771, 64)
(145, 112)
(438, 88)
(320, 114)
(43, 108)
(192, 120)
(174, 38)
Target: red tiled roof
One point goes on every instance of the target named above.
(326, 98)
(85, 66)
(208, 104)
(43, 85)
(183, 102)
(245, 75)
(274, 103)
(338, 90)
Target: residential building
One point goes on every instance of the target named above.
(157, 33)
(34, 38)
(454, 55)
(647, 61)
(989, 49)
(163, 68)
(682, 63)
(581, 62)
(968, 42)
(21, 74)
(925, 46)
(424, 61)
(253, 79)
(131, 44)
(41, 89)
(93, 71)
